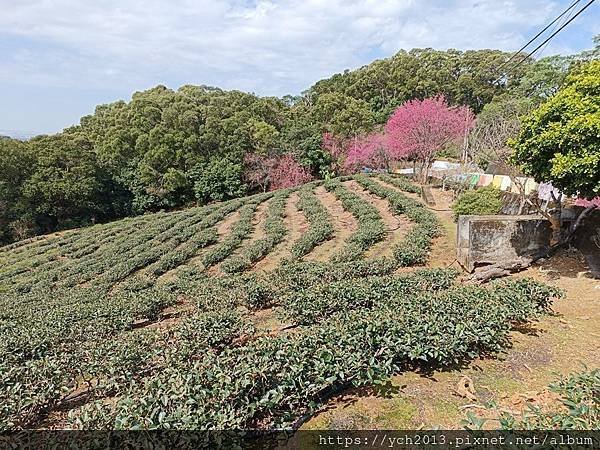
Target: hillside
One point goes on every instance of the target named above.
(265, 305)
(169, 148)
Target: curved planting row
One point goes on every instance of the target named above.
(371, 228)
(240, 231)
(416, 244)
(401, 183)
(275, 232)
(320, 228)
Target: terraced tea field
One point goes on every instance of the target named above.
(247, 314)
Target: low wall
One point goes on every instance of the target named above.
(587, 240)
(492, 239)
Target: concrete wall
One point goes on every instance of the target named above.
(493, 239)
(587, 240)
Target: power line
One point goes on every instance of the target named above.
(558, 24)
(553, 34)
(539, 34)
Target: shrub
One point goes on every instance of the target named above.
(486, 200)
(579, 407)
(320, 228)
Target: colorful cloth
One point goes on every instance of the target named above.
(530, 186)
(497, 181)
(506, 182)
(474, 180)
(548, 192)
(485, 180)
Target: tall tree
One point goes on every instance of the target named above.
(420, 128)
(560, 141)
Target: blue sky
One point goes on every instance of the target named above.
(60, 58)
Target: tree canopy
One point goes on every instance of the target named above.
(560, 140)
(170, 148)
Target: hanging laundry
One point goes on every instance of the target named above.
(485, 180)
(530, 186)
(497, 181)
(506, 182)
(548, 192)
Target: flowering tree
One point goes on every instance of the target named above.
(287, 172)
(257, 169)
(593, 203)
(274, 172)
(367, 151)
(419, 128)
(337, 148)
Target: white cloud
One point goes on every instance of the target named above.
(270, 47)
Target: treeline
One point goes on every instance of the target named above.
(166, 149)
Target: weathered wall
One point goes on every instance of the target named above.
(587, 240)
(493, 239)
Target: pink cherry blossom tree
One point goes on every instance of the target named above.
(593, 203)
(369, 150)
(287, 172)
(420, 128)
(257, 170)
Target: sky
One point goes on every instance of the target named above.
(60, 58)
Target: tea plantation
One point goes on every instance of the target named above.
(162, 321)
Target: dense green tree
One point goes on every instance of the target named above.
(560, 141)
(169, 148)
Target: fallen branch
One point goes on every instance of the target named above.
(502, 269)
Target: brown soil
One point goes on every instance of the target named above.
(396, 225)
(223, 229)
(344, 225)
(556, 344)
(296, 225)
(258, 232)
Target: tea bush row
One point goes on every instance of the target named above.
(320, 227)
(275, 232)
(371, 228)
(272, 382)
(414, 248)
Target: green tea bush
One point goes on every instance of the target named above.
(271, 382)
(275, 232)
(371, 228)
(240, 231)
(401, 183)
(414, 248)
(320, 228)
(485, 200)
(578, 409)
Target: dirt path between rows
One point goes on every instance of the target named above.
(223, 229)
(296, 224)
(344, 225)
(396, 225)
(561, 343)
(443, 248)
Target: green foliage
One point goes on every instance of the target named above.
(579, 409)
(320, 228)
(220, 180)
(275, 231)
(486, 200)
(273, 381)
(370, 225)
(560, 141)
